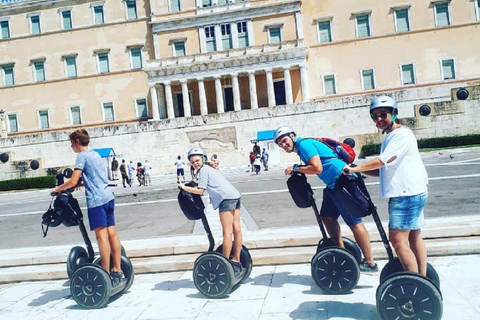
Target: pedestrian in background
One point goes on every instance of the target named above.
(123, 172)
(147, 168)
(215, 162)
(60, 177)
(131, 172)
(180, 172)
(265, 159)
(114, 169)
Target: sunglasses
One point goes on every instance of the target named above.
(382, 115)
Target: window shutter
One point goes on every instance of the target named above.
(9, 78)
(142, 108)
(43, 119)
(179, 48)
(325, 32)
(12, 122)
(368, 81)
(363, 26)
(275, 35)
(71, 67)
(403, 24)
(407, 73)
(448, 69)
(67, 20)
(5, 30)
(242, 34)
(330, 85)
(76, 115)
(39, 71)
(174, 5)
(108, 111)
(442, 14)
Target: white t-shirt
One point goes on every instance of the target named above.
(406, 175)
(179, 164)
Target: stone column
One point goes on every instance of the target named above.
(218, 93)
(161, 102)
(169, 100)
(218, 37)
(186, 99)
(304, 83)
(298, 22)
(253, 90)
(288, 85)
(270, 89)
(154, 98)
(236, 93)
(202, 97)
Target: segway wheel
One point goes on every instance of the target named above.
(408, 295)
(335, 270)
(90, 286)
(350, 245)
(213, 275)
(77, 257)
(395, 266)
(245, 260)
(127, 269)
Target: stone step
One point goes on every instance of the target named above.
(260, 256)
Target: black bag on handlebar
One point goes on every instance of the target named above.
(300, 190)
(353, 194)
(191, 204)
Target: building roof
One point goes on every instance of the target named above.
(105, 152)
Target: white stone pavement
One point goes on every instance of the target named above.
(271, 292)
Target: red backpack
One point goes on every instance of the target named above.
(343, 151)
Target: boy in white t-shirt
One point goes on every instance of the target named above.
(180, 172)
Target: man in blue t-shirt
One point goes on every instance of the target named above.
(319, 159)
(90, 169)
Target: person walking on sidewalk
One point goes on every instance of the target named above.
(265, 159)
(123, 172)
(180, 172)
(114, 169)
(132, 171)
(403, 180)
(100, 201)
(147, 168)
(319, 159)
(224, 197)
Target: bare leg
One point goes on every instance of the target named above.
(419, 250)
(226, 219)
(399, 240)
(363, 240)
(104, 247)
(333, 230)
(116, 248)
(237, 235)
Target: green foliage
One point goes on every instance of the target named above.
(431, 143)
(28, 183)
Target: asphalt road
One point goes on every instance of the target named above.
(153, 211)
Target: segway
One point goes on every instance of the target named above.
(334, 269)
(402, 294)
(90, 285)
(213, 273)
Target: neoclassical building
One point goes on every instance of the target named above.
(68, 63)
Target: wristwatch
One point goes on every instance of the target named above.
(295, 168)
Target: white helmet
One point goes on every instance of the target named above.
(197, 152)
(282, 131)
(384, 102)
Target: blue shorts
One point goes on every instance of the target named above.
(406, 213)
(332, 207)
(229, 205)
(180, 172)
(102, 216)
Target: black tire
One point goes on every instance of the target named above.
(90, 286)
(395, 266)
(350, 245)
(407, 295)
(213, 275)
(245, 260)
(127, 269)
(77, 257)
(335, 270)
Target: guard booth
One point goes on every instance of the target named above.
(265, 140)
(107, 155)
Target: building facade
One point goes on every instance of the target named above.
(67, 64)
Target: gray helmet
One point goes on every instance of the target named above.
(282, 131)
(384, 102)
(197, 152)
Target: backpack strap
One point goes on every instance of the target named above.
(335, 156)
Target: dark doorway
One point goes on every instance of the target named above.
(280, 98)
(179, 110)
(228, 92)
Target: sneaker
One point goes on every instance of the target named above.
(366, 268)
(237, 267)
(117, 277)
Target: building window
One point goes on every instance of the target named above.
(477, 8)
(242, 32)
(210, 39)
(324, 31)
(131, 9)
(70, 66)
(8, 76)
(226, 36)
(402, 20)
(102, 61)
(175, 6)
(179, 49)
(442, 14)
(39, 70)
(363, 25)
(12, 124)
(368, 79)
(274, 35)
(108, 112)
(43, 120)
(98, 16)
(136, 58)
(448, 69)
(206, 3)
(329, 86)
(5, 29)
(35, 24)
(141, 108)
(75, 115)
(408, 74)
(66, 19)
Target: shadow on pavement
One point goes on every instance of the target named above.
(334, 310)
(49, 296)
